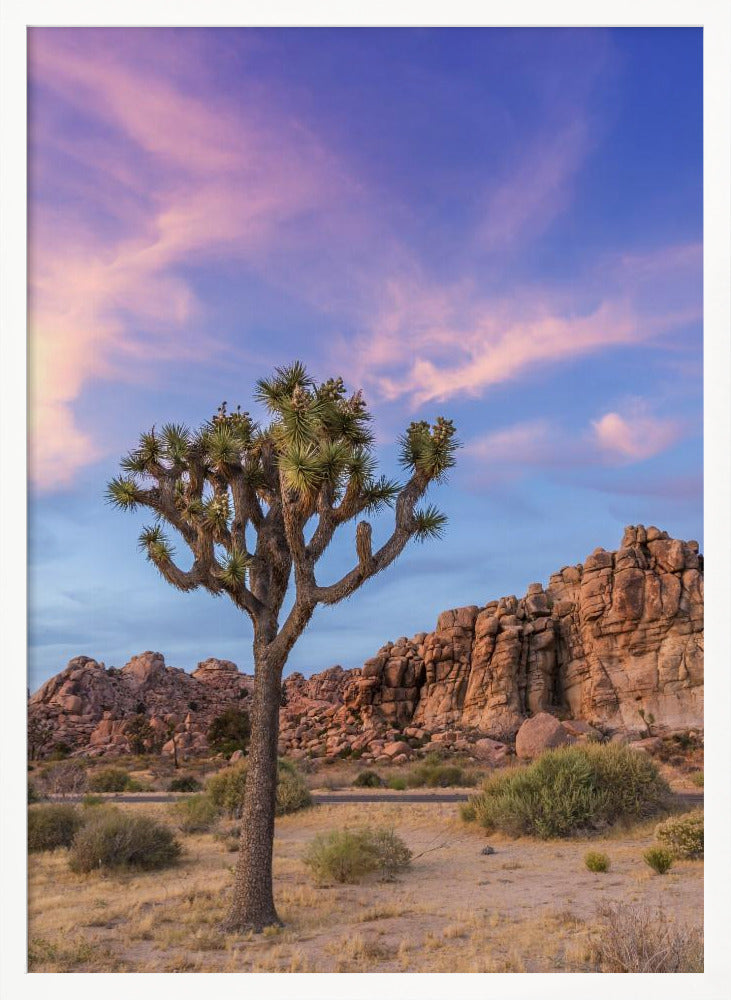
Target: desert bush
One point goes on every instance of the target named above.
(292, 792)
(115, 840)
(229, 731)
(194, 815)
(697, 779)
(595, 861)
(186, 784)
(89, 801)
(636, 939)
(397, 783)
(683, 835)
(435, 773)
(571, 790)
(109, 779)
(368, 779)
(226, 789)
(348, 855)
(33, 794)
(660, 859)
(52, 826)
(68, 777)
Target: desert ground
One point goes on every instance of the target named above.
(531, 906)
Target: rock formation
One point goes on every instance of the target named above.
(91, 706)
(614, 642)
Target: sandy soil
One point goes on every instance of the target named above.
(530, 906)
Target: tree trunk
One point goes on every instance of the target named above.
(253, 899)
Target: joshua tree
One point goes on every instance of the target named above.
(258, 507)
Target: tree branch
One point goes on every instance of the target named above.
(404, 529)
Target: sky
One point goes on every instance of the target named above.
(501, 226)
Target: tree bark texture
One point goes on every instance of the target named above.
(252, 906)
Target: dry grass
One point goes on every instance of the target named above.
(638, 939)
(529, 907)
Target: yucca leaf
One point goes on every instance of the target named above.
(412, 443)
(301, 469)
(429, 522)
(133, 463)
(222, 448)
(176, 441)
(273, 391)
(233, 572)
(332, 458)
(123, 492)
(154, 542)
(380, 493)
(150, 448)
(361, 467)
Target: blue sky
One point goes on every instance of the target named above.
(502, 226)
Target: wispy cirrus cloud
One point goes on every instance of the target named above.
(538, 189)
(158, 178)
(431, 344)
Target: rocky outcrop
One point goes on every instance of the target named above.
(612, 642)
(91, 707)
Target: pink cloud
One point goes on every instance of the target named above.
(613, 439)
(636, 435)
(538, 188)
(430, 343)
(175, 177)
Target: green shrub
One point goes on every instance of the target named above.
(368, 779)
(109, 779)
(186, 784)
(697, 779)
(396, 783)
(115, 840)
(434, 773)
(52, 826)
(660, 859)
(89, 801)
(292, 792)
(635, 939)
(595, 861)
(194, 815)
(226, 789)
(348, 855)
(683, 835)
(33, 794)
(571, 790)
(137, 785)
(229, 731)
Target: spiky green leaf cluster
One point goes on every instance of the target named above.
(155, 544)
(430, 523)
(233, 571)
(429, 450)
(380, 493)
(123, 492)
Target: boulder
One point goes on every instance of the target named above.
(538, 734)
(490, 751)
